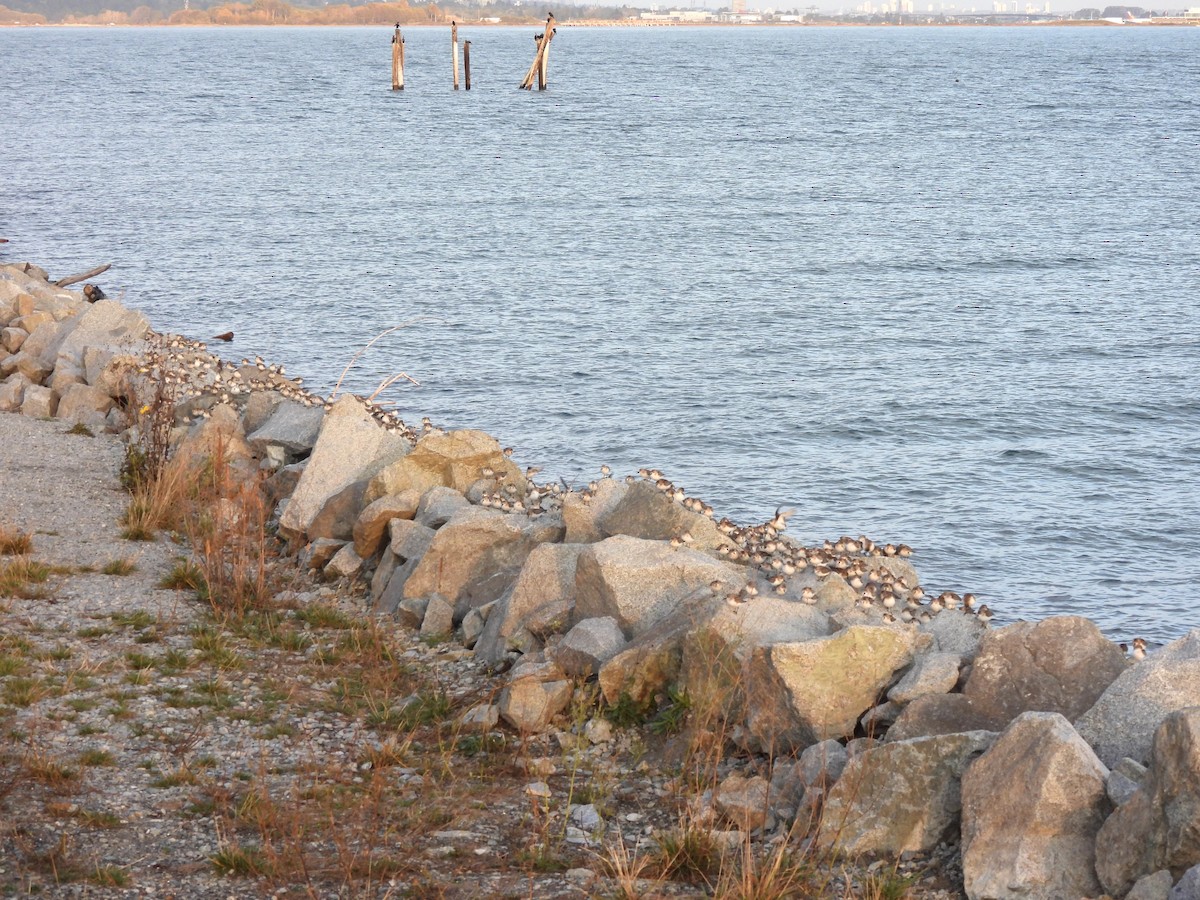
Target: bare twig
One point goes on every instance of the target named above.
(83, 276)
(388, 382)
(358, 355)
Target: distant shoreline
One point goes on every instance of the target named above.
(587, 23)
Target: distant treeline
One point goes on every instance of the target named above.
(276, 12)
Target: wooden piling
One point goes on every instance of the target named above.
(397, 60)
(542, 68)
(454, 50)
(467, 64)
(539, 67)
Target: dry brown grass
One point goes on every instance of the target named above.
(14, 542)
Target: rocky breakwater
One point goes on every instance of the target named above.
(856, 711)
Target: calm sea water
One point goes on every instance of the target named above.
(939, 286)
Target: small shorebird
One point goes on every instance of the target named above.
(984, 615)
(779, 523)
(1139, 649)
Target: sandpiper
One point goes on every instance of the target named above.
(984, 615)
(1139, 649)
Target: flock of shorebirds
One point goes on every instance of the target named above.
(190, 371)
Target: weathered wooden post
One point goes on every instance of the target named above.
(542, 68)
(454, 50)
(397, 60)
(467, 64)
(539, 66)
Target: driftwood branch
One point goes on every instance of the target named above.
(83, 276)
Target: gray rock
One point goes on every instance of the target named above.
(351, 447)
(1157, 827)
(281, 485)
(743, 801)
(411, 611)
(900, 796)
(799, 693)
(480, 717)
(941, 714)
(585, 816)
(548, 619)
(12, 338)
(472, 627)
(547, 576)
(1123, 720)
(319, 553)
(1155, 887)
(821, 765)
(587, 646)
(344, 564)
(292, 426)
(1188, 887)
(473, 559)
(407, 545)
(877, 719)
(1032, 805)
(1061, 664)
(954, 632)
(84, 405)
(535, 694)
(639, 582)
(1120, 787)
(338, 514)
(39, 402)
(388, 561)
(258, 409)
(931, 673)
(439, 618)
(439, 505)
(12, 392)
(372, 522)
(32, 367)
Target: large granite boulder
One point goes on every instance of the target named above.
(646, 512)
(338, 514)
(900, 796)
(1123, 719)
(473, 559)
(84, 405)
(547, 576)
(453, 459)
(105, 324)
(799, 693)
(639, 582)
(1159, 826)
(1061, 664)
(1032, 805)
(957, 633)
(653, 660)
(583, 513)
(351, 447)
